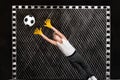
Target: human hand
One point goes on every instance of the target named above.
(48, 23)
(38, 32)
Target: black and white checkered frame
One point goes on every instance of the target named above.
(14, 31)
(108, 33)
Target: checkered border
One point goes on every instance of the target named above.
(108, 33)
(14, 43)
(14, 31)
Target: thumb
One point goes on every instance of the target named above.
(45, 25)
(40, 29)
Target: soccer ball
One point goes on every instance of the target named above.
(29, 20)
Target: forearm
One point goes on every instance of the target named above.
(58, 32)
(49, 40)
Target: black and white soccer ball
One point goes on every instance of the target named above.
(29, 20)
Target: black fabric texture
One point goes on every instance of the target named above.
(79, 63)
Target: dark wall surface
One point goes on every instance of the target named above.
(84, 28)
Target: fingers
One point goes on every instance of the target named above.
(48, 20)
(45, 25)
(48, 23)
(38, 31)
(41, 31)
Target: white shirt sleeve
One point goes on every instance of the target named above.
(66, 48)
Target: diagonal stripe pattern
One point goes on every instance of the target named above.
(84, 28)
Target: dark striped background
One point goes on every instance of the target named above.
(84, 28)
